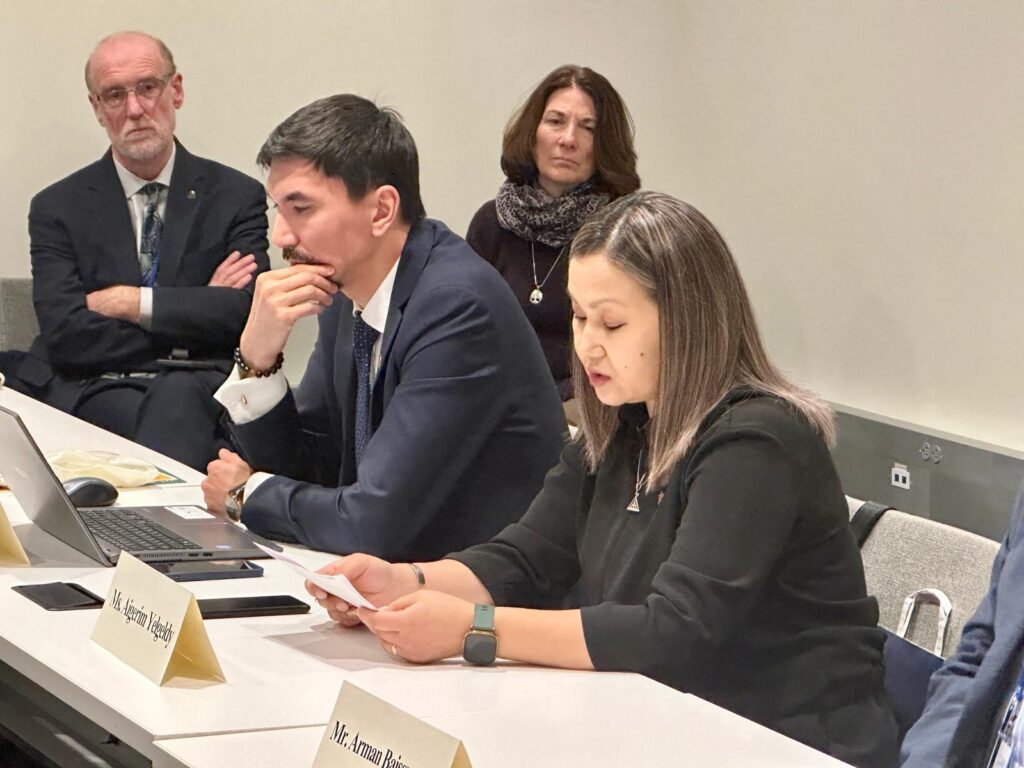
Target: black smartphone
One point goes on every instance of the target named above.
(204, 570)
(60, 596)
(256, 605)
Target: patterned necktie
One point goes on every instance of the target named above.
(363, 338)
(152, 232)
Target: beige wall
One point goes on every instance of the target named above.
(862, 157)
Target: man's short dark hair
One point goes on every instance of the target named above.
(352, 139)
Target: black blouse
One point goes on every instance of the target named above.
(740, 581)
(510, 255)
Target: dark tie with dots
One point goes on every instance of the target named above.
(152, 233)
(363, 338)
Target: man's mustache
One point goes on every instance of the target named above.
(294, 256)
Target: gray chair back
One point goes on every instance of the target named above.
(18, 325)
(905, 553)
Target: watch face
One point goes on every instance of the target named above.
(480, 647)
(232, 505)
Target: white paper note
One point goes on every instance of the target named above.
(190, 513)
(337, 585)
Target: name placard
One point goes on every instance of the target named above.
(11, 551)
(154, 626)
(366, 731)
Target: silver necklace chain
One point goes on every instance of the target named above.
(634, 505)
(537, 295)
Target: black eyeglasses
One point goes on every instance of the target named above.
(147, 91)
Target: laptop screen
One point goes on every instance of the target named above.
(38, 490)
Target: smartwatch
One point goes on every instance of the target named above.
(480, 645)
(233, 502)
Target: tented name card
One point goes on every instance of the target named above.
(11, 551)
(366, 731)
(154, 626)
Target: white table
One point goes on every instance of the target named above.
(610, 721)
(284, 672)
(259, 656)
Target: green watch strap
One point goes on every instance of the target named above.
(480, 645)
(483, 618)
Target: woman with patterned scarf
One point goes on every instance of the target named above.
(567, 151)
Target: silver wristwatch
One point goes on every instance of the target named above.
(233, 502)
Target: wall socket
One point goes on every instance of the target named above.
(899, 476)
(972, 485)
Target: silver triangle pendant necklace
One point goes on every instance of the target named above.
(634, 505)
(537, 295)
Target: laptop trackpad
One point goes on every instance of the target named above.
(209, 532)
(214, 535)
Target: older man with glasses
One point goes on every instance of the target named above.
(143, 266)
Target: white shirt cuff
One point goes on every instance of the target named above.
(255, 481)
(246, 400)
(146, 308)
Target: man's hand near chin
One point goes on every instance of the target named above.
(282, 297)
(120, 302)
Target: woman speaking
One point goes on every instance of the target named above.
(697, 516)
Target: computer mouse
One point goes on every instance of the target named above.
(90, 492)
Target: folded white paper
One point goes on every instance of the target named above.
(122, 471)
(337, 585)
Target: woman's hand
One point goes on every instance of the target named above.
(422, 626)
(376, 579)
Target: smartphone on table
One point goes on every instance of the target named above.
(60, 596)
(65, 596)
(251, 605)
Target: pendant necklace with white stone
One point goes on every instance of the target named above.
(537, 295)
(634, 505)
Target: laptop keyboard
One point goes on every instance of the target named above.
(131, 531)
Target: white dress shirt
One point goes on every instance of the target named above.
(137, 210)
(246, 400)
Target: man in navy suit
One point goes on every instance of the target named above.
(974, 699)
(148, 253)
(426, 418)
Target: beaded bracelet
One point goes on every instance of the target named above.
(258, 374)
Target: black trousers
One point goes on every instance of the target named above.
(173, 412)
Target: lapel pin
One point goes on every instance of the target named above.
(191, 194)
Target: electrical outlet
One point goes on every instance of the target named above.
(899, 476)
(930, 452)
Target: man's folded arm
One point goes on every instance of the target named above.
(211, 318)
(77, 339)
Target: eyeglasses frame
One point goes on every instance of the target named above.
(164, 81)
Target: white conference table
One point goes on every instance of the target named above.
(284, 672)
(616, 721)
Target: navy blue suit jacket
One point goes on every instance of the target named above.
(466, 417)
(967, 694)
(82, 240)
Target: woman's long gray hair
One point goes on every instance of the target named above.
(709, 340)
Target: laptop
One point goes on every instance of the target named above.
(102, 533)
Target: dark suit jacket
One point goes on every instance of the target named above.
(967, 694)
(467, 419)
(82, 240)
